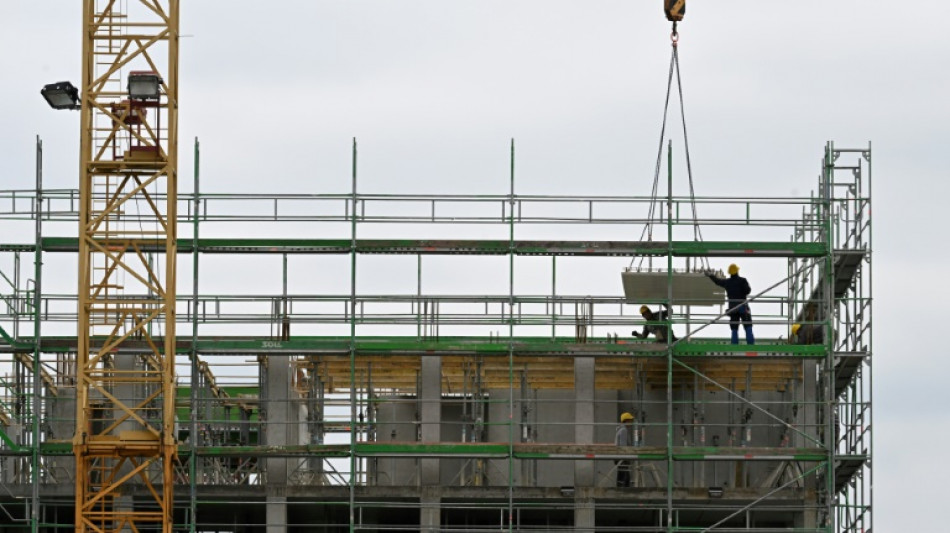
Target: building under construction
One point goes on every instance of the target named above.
(444, 374)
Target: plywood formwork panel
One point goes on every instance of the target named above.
(399, 372)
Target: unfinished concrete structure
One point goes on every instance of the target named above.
(329, 405)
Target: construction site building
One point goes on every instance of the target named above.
(455, 400)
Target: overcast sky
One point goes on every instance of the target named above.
(435, 89)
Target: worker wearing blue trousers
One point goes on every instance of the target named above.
(737, 290)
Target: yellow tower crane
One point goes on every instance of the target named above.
(125, 441)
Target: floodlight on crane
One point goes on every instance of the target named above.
(61, 95)
(144, 85)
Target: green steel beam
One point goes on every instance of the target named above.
(56, 448)
(464, 346)
(16, 345)
(521, 345)
(409, 449)
(472, 247)
(711, 349)
(498, 450)
(709, 453)
(6, 438)
(302, 450)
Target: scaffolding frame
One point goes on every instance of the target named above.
(498, 359)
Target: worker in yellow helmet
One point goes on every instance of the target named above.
(737, 290)
(807, 334)
(657, 329)
(624, 438)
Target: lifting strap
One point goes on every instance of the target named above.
(652, 215)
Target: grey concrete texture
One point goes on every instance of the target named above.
(703, 417)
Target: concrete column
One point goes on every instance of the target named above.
(583, 511)
(125, 503)
(430, 416)
(281, 424)
(62, 424)
(584, 417)
(276, 514)
(10, 465)
(277, 432)
(430, 511)
(808, 519)
(315, 409)
(127, 393)
(809, 416)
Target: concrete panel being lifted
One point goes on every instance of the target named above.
(689, 288)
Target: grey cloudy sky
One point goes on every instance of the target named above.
(435, 89)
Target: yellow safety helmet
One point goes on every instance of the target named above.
(733, 269)
(626, 416)
(795, 328)
(644, 309)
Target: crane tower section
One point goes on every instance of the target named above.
(124, 443)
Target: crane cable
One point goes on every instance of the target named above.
(654, 199)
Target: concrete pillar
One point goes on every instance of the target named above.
(10, 465)
(429, 510)
(62, 424)
(807, 519)
(430, 415)
(584, 511)
(279, 430)
(125, 503)
(583, 417)
(276, 514)
(314, 413)
(809, 416)
(279, 423)
(127, 393)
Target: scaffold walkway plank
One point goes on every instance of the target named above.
(846, 264)
(846, 368)
(846, 468)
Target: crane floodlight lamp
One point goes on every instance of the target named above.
(144, 85)
(61, 95)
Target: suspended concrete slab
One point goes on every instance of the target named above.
(689, 288)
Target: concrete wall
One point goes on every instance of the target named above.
(552, 419)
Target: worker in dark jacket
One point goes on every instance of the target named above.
(657, 329)
(737, 290)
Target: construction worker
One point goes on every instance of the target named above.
(624, 438)
(737, 290)
(657, 329)
(808, 334)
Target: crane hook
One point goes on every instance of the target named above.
(674, 9)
